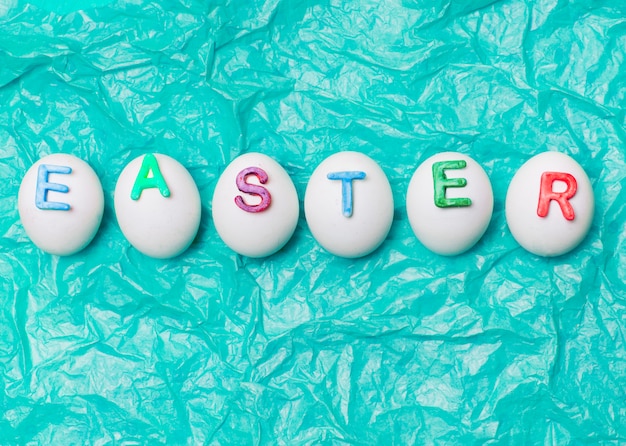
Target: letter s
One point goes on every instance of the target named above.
(253, 189)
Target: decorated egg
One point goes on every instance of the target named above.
(449, 203)
(349, 204)
(157, 205)
(60, 202)
(255, 205)
(550, 204)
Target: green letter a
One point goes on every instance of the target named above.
(145, 181)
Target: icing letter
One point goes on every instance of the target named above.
(253, 189)
(346, 188)
(41, 193)
(442, 182)
(145, 181)
(546, 194)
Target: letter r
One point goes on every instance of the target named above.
(546, 194)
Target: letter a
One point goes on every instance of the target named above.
(546, 194)
(146, 181)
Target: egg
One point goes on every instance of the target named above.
(348, 204)
(157, 205)
(255, 206)
(449, 203)
(60, 203)
(550, 204)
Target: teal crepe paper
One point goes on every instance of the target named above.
(494, 346)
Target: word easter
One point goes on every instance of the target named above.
(348, 204)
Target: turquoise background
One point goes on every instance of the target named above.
(494, 346)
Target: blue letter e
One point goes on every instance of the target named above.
(43, 186)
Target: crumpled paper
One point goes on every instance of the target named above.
(400, 347)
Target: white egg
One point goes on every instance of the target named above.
(449, 203)
(61, 202)
(349, 204)
(255, 205)
(157, 205)
(554, 221)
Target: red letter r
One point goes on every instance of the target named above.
(546, 194)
